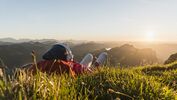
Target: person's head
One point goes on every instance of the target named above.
(59, 52)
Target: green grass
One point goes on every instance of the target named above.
(158, 82)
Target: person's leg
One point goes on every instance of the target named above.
(101, 59)
(87, 61)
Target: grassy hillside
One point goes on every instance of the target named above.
(145, 82)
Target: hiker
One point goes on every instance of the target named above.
(59, 59)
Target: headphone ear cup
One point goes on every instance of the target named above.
(69, 55)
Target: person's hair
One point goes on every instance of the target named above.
(57, 52)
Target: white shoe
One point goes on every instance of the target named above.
(87, 60)
(101, 59)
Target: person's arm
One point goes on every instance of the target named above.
(68, 64)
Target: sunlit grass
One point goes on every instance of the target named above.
(107, 83)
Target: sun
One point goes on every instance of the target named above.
(150, 36)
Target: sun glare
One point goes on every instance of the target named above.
(150, 36)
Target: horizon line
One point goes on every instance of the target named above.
(139, 41)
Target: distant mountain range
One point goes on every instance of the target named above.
(12, 40)
(17, 52)
(127, 55)
(15, 55)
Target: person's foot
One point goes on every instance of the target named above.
(101, 59)
(87, 60)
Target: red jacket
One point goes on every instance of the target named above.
(58, 66)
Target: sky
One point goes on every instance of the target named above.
(96, 20)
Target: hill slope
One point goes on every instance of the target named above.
(146, 82)
(19, 54)
(171, 59)
(128, 55)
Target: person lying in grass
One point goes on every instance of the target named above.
(59, 59)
